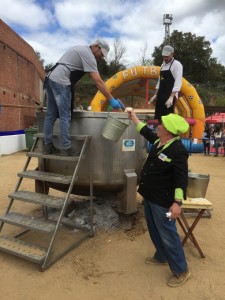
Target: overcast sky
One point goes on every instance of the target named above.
(53, 26)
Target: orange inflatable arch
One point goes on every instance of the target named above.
(139, 80)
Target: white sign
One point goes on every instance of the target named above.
(128, 145)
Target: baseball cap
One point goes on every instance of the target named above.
(103, 45)
(175, 124)
(167, 50)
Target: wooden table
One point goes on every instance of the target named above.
(201, 205)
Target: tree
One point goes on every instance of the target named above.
(144, 61)
(48, 67)
(195, 55)
(42, 61)
(216, 76)
(118, 52)
(39, 57)
(103, 68)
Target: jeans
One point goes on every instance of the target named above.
(58, 105)
(165, 238)
(217, 146)
(206, 144)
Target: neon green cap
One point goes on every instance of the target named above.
(175, 124)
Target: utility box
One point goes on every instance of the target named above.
(29, 136)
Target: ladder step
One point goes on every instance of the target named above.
(22, 249)
(44, 176)
(37, 198)
(55, 157)
(28, 222)
(73, 136)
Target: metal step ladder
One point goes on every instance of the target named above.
(48, 230)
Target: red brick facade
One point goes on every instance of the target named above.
(21, 81)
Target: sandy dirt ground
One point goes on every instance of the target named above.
(111, 264)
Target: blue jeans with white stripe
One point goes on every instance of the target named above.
(165, 238)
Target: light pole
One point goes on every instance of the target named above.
(167, 21)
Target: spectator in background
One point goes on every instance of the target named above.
(211, 133)
(218, 138)
(168, 85)
(206, 141)
(223, 140)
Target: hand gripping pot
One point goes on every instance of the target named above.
(114, 128)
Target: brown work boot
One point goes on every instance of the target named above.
(154, 261)
(178, 280)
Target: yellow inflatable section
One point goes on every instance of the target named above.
(135, 81)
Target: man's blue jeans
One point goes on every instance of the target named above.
(165, 238)
(58, 105)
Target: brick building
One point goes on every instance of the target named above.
(21, 81)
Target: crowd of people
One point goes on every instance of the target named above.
(214, 138)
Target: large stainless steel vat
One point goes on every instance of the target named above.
(113, 164)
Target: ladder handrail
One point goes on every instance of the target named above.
(48, 259)
(66, 202)
(19, 182)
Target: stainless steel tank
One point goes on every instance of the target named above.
(114, 164)
(197, 185)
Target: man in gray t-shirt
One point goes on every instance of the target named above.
(59, 85)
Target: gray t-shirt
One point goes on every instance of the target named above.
(78, 58)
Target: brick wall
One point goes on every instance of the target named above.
(21, 80)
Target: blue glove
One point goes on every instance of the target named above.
(114, 103)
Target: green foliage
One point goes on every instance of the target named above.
(146, 62)
(48, 67)
(85, 91)
(42, 61)
(211, 95)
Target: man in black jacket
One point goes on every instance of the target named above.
(163, 186)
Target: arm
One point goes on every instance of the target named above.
(177, 74)
(181, 179)
(132, 115)
(141, 127)
(100, 84)
(156, 91)
(154, 97)
(177, 71)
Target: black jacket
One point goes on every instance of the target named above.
(160, 178)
